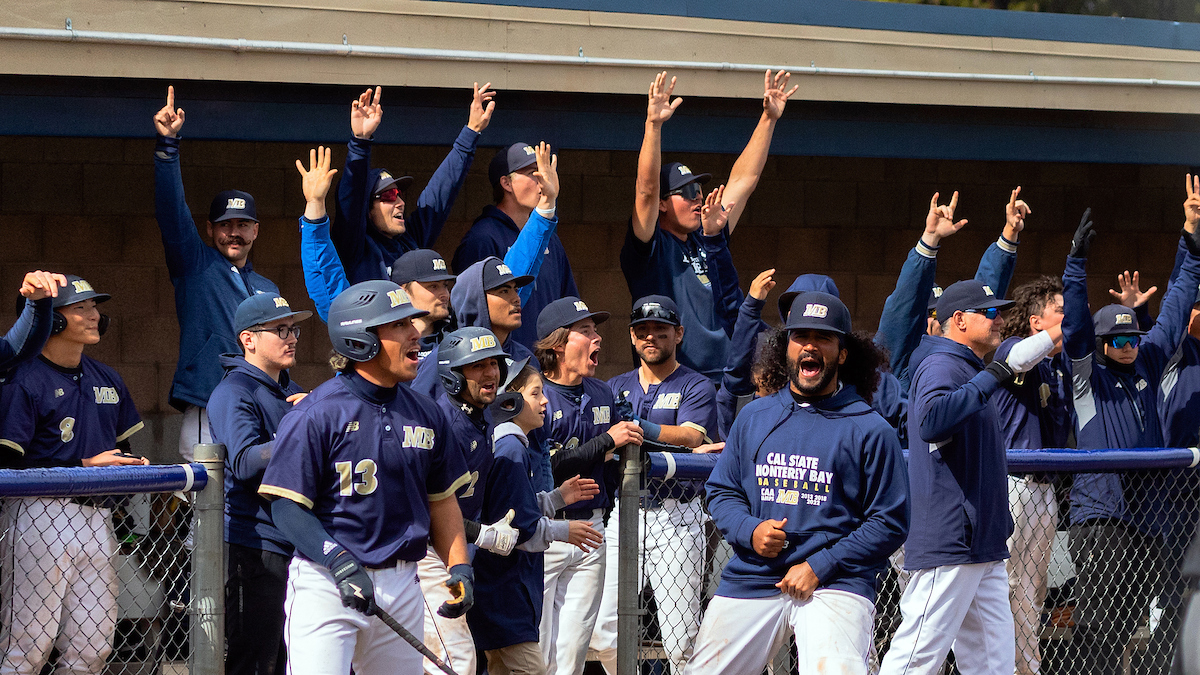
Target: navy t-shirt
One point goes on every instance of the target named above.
(367, 461)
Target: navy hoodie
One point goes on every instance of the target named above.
(956, 460)
(834, 469)
(468, 302)
(244, 413)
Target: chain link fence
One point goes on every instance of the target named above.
(1100, 595)
(96, 569)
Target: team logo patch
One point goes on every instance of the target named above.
(280, 302)
(988, 289)
(398, 297)
(557, 415)
(668, 401)
(106, 395)
(352, 426)
(59, 392)
(439, 265)
(684, 171)
(81, 286)
(816, 310)
(384, 175)
(418, 437)
(483, 342)
(937, 291)
(1123, 319)
(601, 414)
(503, 269)
(236, 203)
(580, 306)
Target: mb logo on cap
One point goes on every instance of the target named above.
(81, 286)
(439, 264)
(398, 297)
(816, 310)
(236, 203)
(684, 171)
(580, 306)
(503, 269)
(483, 342)
(528, 150)
(988, 289)
(280, 302)
(1123, 319)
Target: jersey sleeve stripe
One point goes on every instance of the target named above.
(462, 480)
(131, 431)
(697, 427)
(276, 491)
(9, 444)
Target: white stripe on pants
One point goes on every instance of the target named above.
(450, 639)
(574, 582)
(739, 636)
(194, 430)
(323, 637)
(672, 561)
(59, 585)
(961, 606)
(1034, 511)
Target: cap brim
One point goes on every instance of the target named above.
(231, 215)
(998, 303)
(804, 324)
(514, 370)
(785, 303)
(401, 183)
(598, 317)
(1122, 332)
(89, 295)
(648, 319)
(300, 314)
(395, 314)
(440, 276)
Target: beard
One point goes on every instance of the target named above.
(661, 356)
(811, 386)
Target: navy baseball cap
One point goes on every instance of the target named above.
(496, 274)
(231, 204)
(383, 180)
(264, 308)
(1116, 320)
(513, 158)
(969, 294)
(77, 290)
(818, 311)
(675, 175)
(564, 313)
(420, 265)
(658, 308)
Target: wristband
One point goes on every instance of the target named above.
(1000, 370)
(649, 429)
(548, 214)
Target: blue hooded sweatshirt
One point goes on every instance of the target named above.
(208, 288)
(737, 381)
(365, 251)
(244, 413)
(956, 460)
(468, 302)
(834, 469)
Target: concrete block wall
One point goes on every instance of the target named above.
(85, 206)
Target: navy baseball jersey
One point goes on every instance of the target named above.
(574, 416)
(685, 398)
(473, 434)
(56, 416)
(367, 460)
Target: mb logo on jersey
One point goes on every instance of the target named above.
(601, 414)
(81, 286)
(483, 342)
(816, 310)
(236, 203)
(668, 401)
(418, 437)
(106, 395)
(398, 297)
(280, 302)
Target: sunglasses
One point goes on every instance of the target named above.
(989, 313)
(281, 331)
(1125, 341)
(689, 192)
(653, 310)
(389, 195)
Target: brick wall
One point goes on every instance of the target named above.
(85, 206)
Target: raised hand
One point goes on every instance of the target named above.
(39, 284)
(366, 113)
(169, 120)
(939, 223)
(762, 284)
(1014, 214)
(776, 93)
(316, 181)
(576, 489)
(714, 214)
(546, 175)
(482, 106)
(1191, 208)
(1131, 294)
(1081, 243)
(661, 107)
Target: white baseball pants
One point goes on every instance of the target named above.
(1035, 518)
(450, 639)
(574, 583)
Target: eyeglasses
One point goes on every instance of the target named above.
(1120, 341)
(281, 331)
(653, 310)
(989, 313)
(689, 191)
(389, 195)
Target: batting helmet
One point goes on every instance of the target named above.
(358, 309)
(464, 347)
(77, 290)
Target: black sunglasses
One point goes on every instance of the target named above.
(654, 311)
(689, 191)
(281, 331)
(989, 313)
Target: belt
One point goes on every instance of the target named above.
(576, 514)
(659, 502)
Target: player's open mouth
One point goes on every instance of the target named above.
(412, 354)
(810, 367)
(594, 357)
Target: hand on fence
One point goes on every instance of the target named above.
(115, 457)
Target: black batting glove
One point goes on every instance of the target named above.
(353, 584)
(1081, 243)
(1001, 371)
(462, 586)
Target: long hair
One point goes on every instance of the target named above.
(543, 350)
(861, 369)
(1031, 300)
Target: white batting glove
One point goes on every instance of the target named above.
(1029, 352)
(500, 537)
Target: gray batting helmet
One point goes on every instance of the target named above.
(362, 307)
(464, 347)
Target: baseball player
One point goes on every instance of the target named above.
(210, 281)
(34, 318)
(244, 411)
(810, 493)
(62, 409)
(958, 592)
(363, 474)
(370, 229)
(664, 252)
(581, 433)
(676, 405)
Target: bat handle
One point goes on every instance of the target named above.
(412, 640)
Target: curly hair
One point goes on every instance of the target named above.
(1031, 300)
(864, 360)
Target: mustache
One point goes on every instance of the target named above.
(234, 239)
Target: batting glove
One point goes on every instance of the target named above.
(1081, 243)
(353, 584)
(500, 537)
(462, 586)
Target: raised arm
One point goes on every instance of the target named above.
(324, 275)
(743, 178)
(29, 334)
(182, 244)
(525, 256)
(996, 266)
(1167, 334)
(646, 191)
(1079, 334)
(350, 224)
